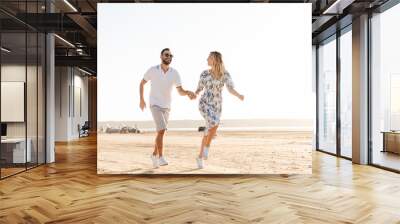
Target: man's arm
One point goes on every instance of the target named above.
(183, 92)
(141, 89)
(197, 91)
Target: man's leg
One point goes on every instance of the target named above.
(155, 151)
(160, 117)
(159, 143)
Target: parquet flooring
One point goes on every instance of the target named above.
(70, 191)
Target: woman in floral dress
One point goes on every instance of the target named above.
(210, 104)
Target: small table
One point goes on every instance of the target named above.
(391, 141)
(13, 150)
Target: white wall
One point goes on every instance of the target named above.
(15, 72)
(80, 83)
(68, 83)
(61, 103)
(33, 127)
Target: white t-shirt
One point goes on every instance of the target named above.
(161, 85)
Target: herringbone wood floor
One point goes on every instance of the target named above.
(69, 191)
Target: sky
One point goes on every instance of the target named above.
(266, 48)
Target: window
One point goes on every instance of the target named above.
(346, 93)
(23, 79)
(327, 96)
(385, 89)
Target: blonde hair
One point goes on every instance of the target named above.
(217, 67)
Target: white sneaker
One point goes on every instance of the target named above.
(199, 163)
(154, 159)
(162, 161)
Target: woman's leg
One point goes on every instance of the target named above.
(203, 108)
(210, 135)
(203, 141)
(208, 138)
(209, 115)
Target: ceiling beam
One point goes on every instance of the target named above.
(320, 22)
(85, 25)
(81, 61)
(337, 6)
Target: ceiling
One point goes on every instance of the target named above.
(75, 21)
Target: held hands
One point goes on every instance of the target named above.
(191, 95)
(142, 104)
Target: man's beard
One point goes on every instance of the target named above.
(165, 62)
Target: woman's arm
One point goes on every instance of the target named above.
(200, 85)
(231, 87)
(235, 93)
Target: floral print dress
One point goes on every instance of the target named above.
(210, 103)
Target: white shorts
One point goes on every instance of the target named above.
(160, 117)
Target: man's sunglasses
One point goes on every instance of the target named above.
(168, 55)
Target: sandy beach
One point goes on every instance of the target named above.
(232, 152)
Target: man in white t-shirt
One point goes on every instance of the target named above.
(162, 78)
